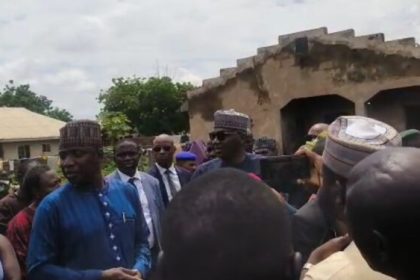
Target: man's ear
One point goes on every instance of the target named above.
(294, 267)
(297, 264)
(376, 250)
(160, 258)
(381, 246)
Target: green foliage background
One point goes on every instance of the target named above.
(152, 106)
(22, 96)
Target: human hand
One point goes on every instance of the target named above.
(316, 162)
(138, 274)
(313, 183)
(314, 158)
(329, 248)
(121, 274)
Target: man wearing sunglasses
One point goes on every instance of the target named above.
(350, 140)
(171, 179)
(315, 130)
(229, 141)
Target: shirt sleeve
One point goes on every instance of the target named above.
(307, 277)
(43, 250)
(305, 237)
(18, 235)
(143, 256)
(197, 173)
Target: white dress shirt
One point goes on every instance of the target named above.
(344, 265)
(143, 201)
(174, 177)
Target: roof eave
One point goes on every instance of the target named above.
(12, 140)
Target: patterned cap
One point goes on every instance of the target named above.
(230, 119)
(265, 143)
(352, 138)
(81, 133)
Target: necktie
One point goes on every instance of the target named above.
(170, 182)
(131, 181)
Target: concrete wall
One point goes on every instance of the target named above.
(10, 150)
(261, 92)
(390, 106)
(300, 114)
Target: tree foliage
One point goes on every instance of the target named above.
(22, 96)
(59, 114)
(151, 105)
(115, 126)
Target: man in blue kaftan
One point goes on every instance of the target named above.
(91, 228)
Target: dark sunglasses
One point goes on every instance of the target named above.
(157, 149)
(309, 138)
(220, 135)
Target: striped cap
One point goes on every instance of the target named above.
(230, 119)
(79, 134)
(352, 138)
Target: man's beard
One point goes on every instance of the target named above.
(232, 147)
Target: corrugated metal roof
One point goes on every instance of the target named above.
(20, 124)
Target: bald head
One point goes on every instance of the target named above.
(317, 129)
(383, 210)
(225, 225)
(163, 138)
(164, 150)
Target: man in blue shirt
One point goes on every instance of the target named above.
(90, 229)
(229, 142)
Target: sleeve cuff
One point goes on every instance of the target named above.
(92, 274)
(143, 269)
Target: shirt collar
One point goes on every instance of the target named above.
(163, 170)
(125, 177)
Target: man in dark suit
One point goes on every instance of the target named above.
(127, 156)
(171, 179)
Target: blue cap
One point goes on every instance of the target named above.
(185, 156)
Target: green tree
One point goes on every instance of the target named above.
(152, 105)
(115, 125)
(22, 96)
(59, 114)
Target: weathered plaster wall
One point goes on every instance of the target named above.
(390, 106)
(262, 91)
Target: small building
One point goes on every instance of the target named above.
(315, 76)
(25, 134)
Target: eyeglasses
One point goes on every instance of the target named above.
(309, 137)
(220, 135)
(157, 149)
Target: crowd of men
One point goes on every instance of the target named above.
(213, 217)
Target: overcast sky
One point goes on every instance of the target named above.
(70, 50)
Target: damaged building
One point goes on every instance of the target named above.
(315, 76)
